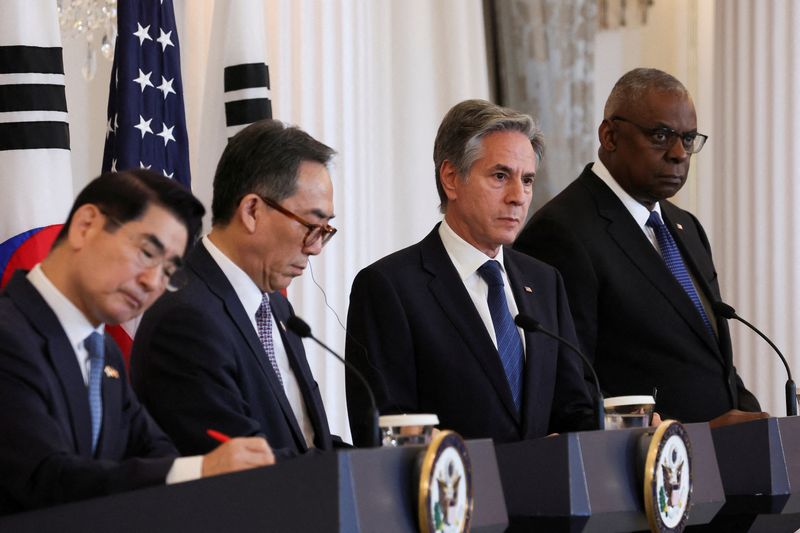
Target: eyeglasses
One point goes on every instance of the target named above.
(315, 231)
(664, 138)
(150, 254)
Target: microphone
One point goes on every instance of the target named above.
(726, 311)
(529, 323)
(303, 330)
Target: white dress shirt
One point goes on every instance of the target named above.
(77, 328)
(250, 296)
(467, 259)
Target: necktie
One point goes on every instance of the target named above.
(96, 349)
(672, 257)
(509, 344)
(264, 323)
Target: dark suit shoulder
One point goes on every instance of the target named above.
(398, 261)
(530, 265)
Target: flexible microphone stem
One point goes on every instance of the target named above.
(726, 311)
(303, 330)
(530, 324)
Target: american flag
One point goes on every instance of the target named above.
(146, 123)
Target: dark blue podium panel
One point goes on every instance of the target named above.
(759, 462)
(354, 491)
(592, 481)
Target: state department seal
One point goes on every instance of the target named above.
(668, 478)
(445, 486)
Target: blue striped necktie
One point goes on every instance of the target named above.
(672, 257)
(509, 344)
(96, 349)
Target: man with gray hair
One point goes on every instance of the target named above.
(637, 268)
(432, 326)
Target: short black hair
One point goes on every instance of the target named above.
(125, 196)
(263, 158)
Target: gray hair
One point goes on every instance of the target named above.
(633, 85)
(460, 136)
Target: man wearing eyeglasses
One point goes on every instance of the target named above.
(72, 428)
(217, 353)
(637, 268)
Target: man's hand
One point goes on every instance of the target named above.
(735, 416)
(238, 454)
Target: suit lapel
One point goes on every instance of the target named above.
(452, 296)
(207, 269)
(524, 290)
(61, 356)
(624, 230)
(302, 372)
(689, 252)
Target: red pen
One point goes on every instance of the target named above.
(217, 436)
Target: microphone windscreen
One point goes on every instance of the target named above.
(724, 310)
(526, 322)
(299, 326)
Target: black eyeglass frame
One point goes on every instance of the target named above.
(323, 231)
(671, 136)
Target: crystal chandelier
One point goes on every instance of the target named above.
(92, 20)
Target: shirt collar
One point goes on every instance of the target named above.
(639, 212)
(466, 258)
(72, 320)
(244, 287)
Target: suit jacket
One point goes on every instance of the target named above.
(45, 450)
(416, 335)
(633, 317)
(197, 363)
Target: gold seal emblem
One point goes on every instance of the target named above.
(445, 485)
(668, 478)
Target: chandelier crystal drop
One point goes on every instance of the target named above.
(95, 21)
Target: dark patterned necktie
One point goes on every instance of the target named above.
(672, 257)
(509, 344)
(264, 323)
(96, 349)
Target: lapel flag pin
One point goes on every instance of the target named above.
(111, 372)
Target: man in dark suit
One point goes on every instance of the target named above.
(72, 427)
(637, 268)
(432, 326)
(217, 354)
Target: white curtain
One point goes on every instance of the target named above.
(755, 184)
